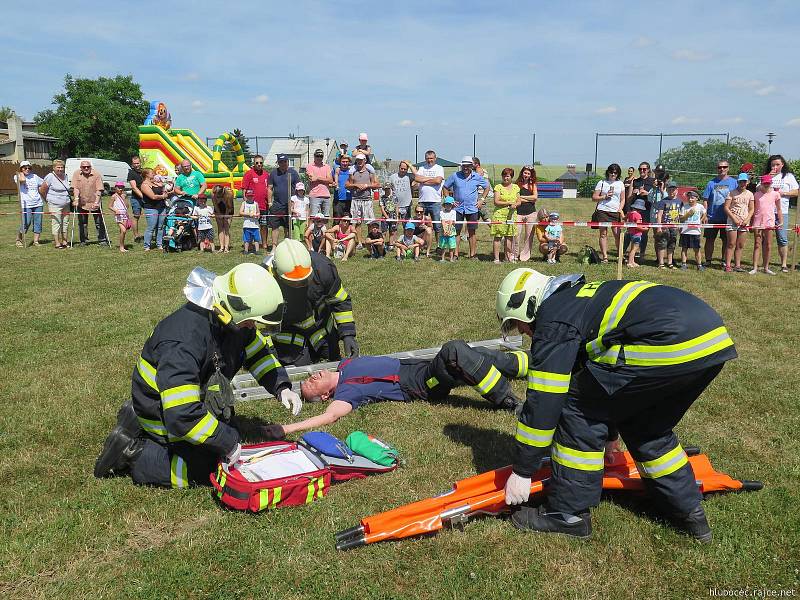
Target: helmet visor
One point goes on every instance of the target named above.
(271, 323)
(508, 328)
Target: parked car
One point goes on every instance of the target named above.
(110, 170)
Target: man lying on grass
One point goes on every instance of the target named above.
(365, 379)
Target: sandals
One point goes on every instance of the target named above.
(603, 261)
(784, 269)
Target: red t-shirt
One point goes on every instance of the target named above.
(633, 216)
(256, 185)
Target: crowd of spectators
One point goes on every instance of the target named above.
(329, 212)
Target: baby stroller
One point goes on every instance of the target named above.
(180, 229)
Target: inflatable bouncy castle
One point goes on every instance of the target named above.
(161, 148)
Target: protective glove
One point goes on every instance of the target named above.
(233, 456)
(291, 400)
(350, 346)
(517, 489)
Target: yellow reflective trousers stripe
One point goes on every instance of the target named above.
(178, 473)
(664, 464)
(489, 381)
(581, 460)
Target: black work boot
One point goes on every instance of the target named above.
(119, 452)
(695, 524)
(126, 419)
(539, 519)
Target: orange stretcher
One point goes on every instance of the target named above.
(484, 495)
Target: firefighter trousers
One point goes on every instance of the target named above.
(176, 465)
(458, 364)
(645, 412)
(327, 352)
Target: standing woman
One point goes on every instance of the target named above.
(506, 199)
(526, 212)
(610, 197)
(628, 183)
(783, 181)
(222, 200)
(55, 190)
(155, 209)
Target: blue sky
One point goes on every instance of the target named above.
(442, 70)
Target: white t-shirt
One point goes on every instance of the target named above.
(29, 190)
(611, 204)
(57, 193)
(300, 206)
(430, 193)
(204, 214)
(249, 210)
(694, 219)
(787, 183)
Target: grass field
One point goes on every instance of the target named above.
(74, 321)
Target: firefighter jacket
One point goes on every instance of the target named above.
(618, 330)
(314, 310)
(175, 365)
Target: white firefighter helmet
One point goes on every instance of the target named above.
(292, 261)
(248, 292)
(519, 297)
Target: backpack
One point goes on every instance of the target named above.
(282, 473)
(589, 256)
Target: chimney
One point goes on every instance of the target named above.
(571, 169)
(15, 134)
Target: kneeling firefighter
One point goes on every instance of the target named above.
(178, 424)
(319, 312)
(626, 356)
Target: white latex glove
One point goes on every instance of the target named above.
(291, 400)
(233, 456)
(517, 489)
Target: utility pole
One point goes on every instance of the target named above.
(770, 136)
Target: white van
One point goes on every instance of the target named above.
(111, 171)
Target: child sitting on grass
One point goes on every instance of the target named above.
(342, 238)
(120, 209)
(409, 244)
(315, 235)
(375, 242)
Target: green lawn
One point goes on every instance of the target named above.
(74, 321)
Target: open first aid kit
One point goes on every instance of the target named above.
(282, 473)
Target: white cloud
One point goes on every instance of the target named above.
(198, 104)
(606, 110)
(261, 99)
(191, 77)
(731, 121)
(684, 120)
(691, 55)
(643, 42)
(406, 123)
(746, 84)
(793, 122)
(765, 91)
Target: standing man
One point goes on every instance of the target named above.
(320, 181)
(401, 183)
(464, 186)
(639, 200)
(255, 184)
(361, 183)
(430, 177)
(87, 187)
(341, 204)
(190, 181)
(179, 423)
(283, 180)
(364, 148)
(137, 199)
(606, 357)
(714, 196)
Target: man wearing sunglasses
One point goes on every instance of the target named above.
(255, 183)
(179, 422)
(639, 200)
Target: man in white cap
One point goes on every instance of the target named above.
(363, 147)
(464, 185)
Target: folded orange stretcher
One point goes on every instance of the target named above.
(484, 494)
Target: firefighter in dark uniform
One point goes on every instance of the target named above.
(177, 426)
(319, 312)
(366, 379)
(626, 356)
